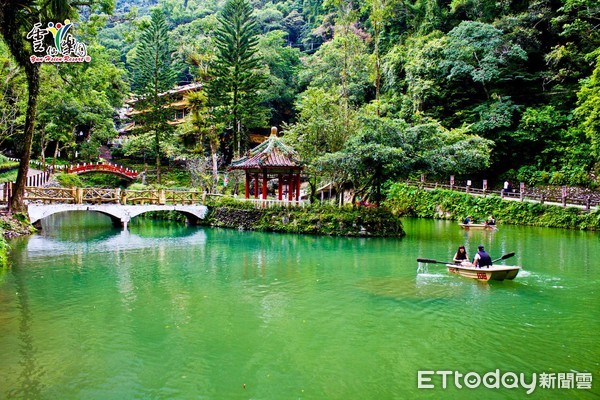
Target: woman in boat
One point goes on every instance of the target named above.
(467, 220)
(491, 221)
(461, 255)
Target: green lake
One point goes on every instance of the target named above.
(164, 311)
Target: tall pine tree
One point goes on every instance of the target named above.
(238, 79)
(153, 76)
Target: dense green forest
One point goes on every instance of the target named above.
(366, 91)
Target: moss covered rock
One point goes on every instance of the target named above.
(315, 219)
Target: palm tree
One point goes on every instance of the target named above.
(17, 18)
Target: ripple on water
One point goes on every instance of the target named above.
(184, 317)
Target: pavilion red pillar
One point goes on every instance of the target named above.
(256, 185)
(298, 187)
(247, 185)
(279, 186)
(290, 186)
(264, 185)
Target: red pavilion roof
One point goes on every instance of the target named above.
(272, 153)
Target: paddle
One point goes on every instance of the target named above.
(504, 257)
(428, 261)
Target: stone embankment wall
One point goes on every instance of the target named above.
(334, 221)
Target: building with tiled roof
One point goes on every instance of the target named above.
(178, 104)
(271, 159)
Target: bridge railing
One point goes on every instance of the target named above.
(51, 195)
(58, 195)
(268, 203)
(98, 196)
(118, 169)
(184, 197)
(113, 196)
(142, 197)
(586, 202)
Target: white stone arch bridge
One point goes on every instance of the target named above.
(120, 205)
(119, 214)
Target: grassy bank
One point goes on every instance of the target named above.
(444, 204)
(314, 219)
(12, 225)
(3, 252)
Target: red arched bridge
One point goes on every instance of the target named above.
(101, 167)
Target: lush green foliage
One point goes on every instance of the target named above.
(444, 204)
(76, 107)
(315, 219)
(69, 180)
(16, 19)
(519, 78)
(3, 254)
(9, 176)
(589, 109)
(237, 78)
(153, 75)
(6, 164)
(390, 149)
(102, 180)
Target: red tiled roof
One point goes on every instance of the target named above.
(275, 158)
(272, 153)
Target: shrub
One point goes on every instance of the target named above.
(444, 204)
(69, 180)
(138, 186)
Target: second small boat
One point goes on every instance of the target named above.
(478, 226)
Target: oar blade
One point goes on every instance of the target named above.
(428, 261)
(504, 257)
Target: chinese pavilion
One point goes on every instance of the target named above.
(271, 159)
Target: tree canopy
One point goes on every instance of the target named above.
(386, 88)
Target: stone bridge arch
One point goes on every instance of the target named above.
(119, 214)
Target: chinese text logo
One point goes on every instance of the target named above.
(64, 47)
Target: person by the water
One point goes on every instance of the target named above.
(482, 259)
(461, 255)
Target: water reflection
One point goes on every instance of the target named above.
(111, 240)
(165, 311)
(32, 372)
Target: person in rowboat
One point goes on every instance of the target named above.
(491, 221)
(461, 255)
(482, 259)
(467, 220)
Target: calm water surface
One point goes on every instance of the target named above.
(167, 312)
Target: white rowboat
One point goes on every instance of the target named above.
(478, 226)
(491, 273)
(495, 272)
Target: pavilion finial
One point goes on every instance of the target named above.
(273, 131)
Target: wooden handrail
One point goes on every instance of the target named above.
(566, 201)
(58, 195)
(117, 169)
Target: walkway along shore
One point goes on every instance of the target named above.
(585, 203)
(415, 200)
